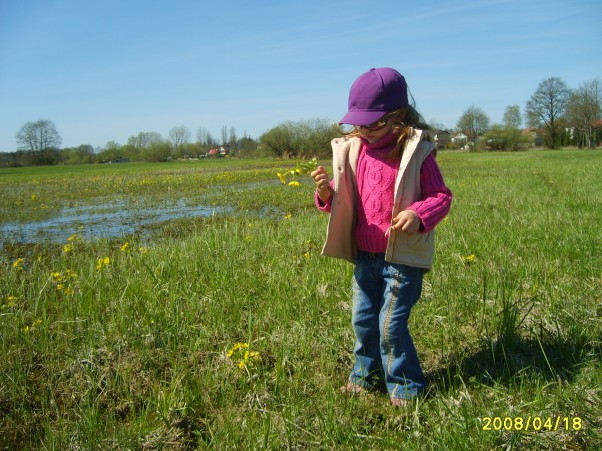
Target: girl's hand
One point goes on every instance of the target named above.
(407, 221)
(322, 182)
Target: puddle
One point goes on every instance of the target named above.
(100, 221)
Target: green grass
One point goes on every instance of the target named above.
(134, 353)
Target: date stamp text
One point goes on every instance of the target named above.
(532, 423)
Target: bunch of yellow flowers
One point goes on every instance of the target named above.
(241, 352)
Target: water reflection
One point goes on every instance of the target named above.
(106, 221)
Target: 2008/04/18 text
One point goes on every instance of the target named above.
(532, 423)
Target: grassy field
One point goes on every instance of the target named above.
(232, 332)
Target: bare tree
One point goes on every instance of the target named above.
(512, 117)
(179, 136)
(547, 105)
(474, 122)
(583, 109)
(144, 140)
(38, 136)
(224, 135)
(232, 140)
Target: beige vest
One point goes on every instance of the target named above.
(414, 250)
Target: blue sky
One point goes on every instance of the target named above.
(107, 70)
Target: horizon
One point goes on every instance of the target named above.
(107, 71)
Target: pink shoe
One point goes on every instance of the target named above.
(398, 402)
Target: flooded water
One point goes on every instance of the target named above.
(103, 221)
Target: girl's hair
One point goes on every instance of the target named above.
(404, 122)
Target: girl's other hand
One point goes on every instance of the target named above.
(407, 221)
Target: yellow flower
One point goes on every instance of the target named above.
(72, 237)
(18, 263)
(57, 276)
(240, 352)
(125, 247)
(294, 183)
(288, 216)
(60, 286)
(102, 262)
(281, 177)
(67, 248)
(469, 258)
(11, 302)
(33, 197)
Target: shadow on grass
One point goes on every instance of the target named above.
(506, 361)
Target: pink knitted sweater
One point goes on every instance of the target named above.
(376, 174)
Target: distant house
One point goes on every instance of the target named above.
(222, 151)
(459, 138)
(534, 133)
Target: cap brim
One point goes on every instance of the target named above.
(362, 117)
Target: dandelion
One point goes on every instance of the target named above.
(11, 301)
(245, 357)
(18, 263)
(102, 263)
(236, 347)
(468, 259)
(34, 326)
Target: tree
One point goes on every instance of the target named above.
(179, 135)
(512, 117)
(144, 147)
(299, 139)
(78, 155)
(583, 109)
(474, 122)
(204, 140)
(224, 135)
(546, 107)
(500, 137)
(232, 140)
(38, 138)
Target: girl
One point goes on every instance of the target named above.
(385, 199)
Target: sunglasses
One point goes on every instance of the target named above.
(376, 126)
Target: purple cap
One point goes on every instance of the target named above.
(374, 94)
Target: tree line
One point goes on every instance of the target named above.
(557, 115)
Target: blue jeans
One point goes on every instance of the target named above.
(383, 296)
